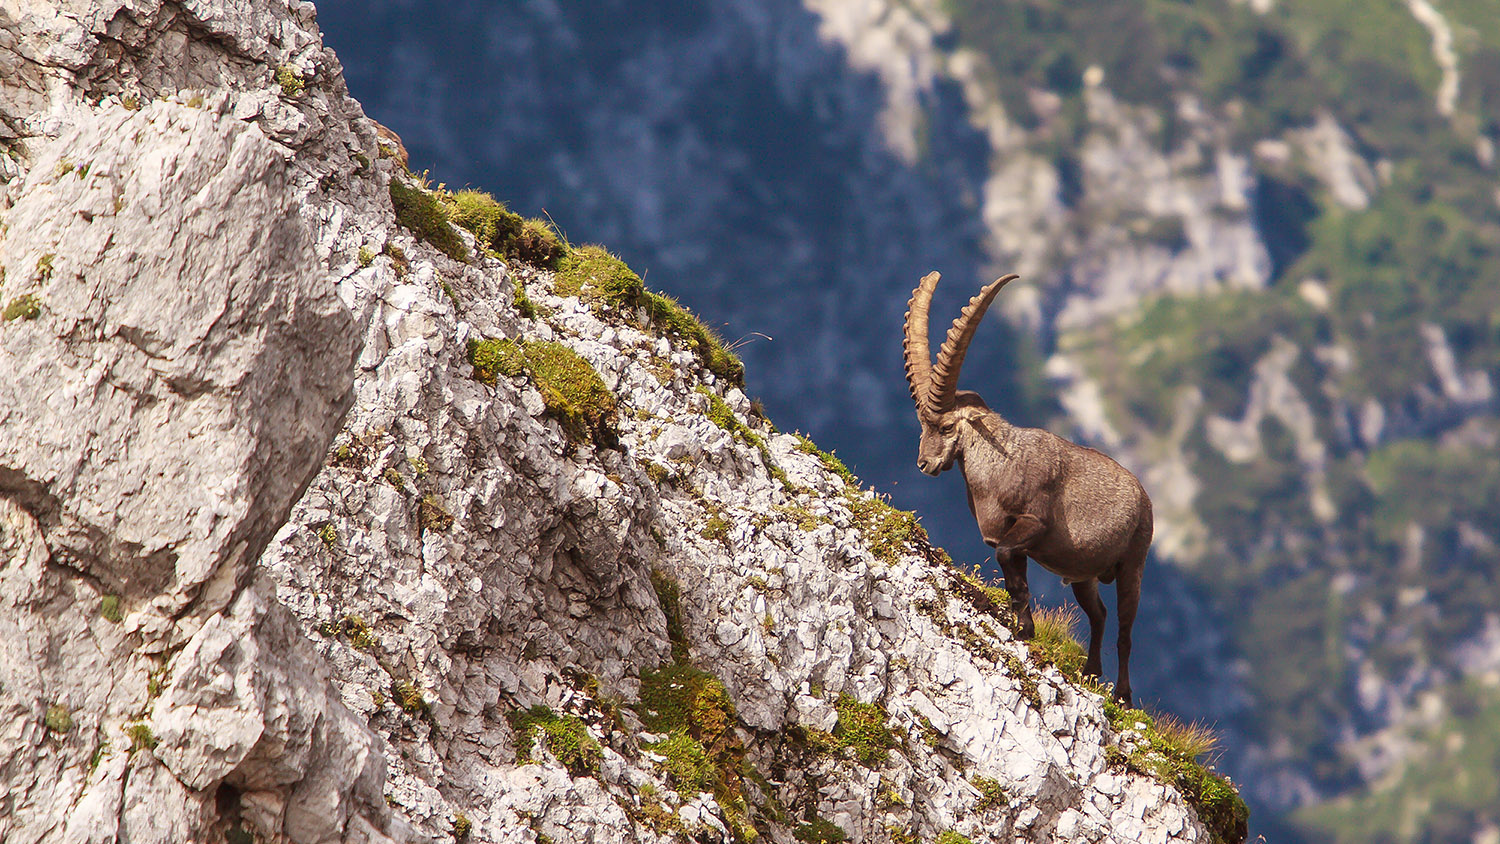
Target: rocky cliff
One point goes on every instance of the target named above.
(322, 519)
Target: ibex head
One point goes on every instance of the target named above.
(942, 408)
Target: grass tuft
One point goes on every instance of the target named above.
(594, 275)
(141, 737)
(1170, 751)
(409, 697)
(1054, 643)
(486, 217)
(991, 794)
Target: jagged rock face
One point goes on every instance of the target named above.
(207, 274)
(176, 361)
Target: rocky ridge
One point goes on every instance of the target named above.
(220, 331)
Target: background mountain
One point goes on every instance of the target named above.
(1261, 251)
(335, 507)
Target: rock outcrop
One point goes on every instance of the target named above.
(280, 562)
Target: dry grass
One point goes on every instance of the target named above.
(1191, 740)
(1054, 644)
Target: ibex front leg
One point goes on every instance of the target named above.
(1010, 553)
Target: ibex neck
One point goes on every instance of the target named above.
(990, 433)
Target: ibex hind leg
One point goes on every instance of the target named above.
(1128, 588)
(1013, 566)
(1087, 593)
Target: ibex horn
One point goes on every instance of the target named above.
(943, 389)
(918, 358)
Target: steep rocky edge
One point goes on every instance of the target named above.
(312, 529)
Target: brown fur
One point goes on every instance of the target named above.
(1072, 509)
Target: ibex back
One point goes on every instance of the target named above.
(1075, 511)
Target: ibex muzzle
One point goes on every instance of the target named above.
(1075, 511)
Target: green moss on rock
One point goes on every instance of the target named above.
(491, 223)
(537, 244)
(1170, 753)
(862, 727)
(687, 762)
(819, 831)
(594, 275)
(492, 358)
(26, 307)
(669, 595)
(565, 736)
(571, 389)
(58, 719)
(427, 217)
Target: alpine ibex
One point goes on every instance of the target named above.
(1075, 511)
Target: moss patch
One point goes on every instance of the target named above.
(432, 515)
(109, 608)
(991, 794)
(427, 217)
(670, 597)
(687, 763)
(565, 736)
(722, 415)
(953, 836)
(492, 358)
(291, 82)
(888, 532)
(829, 461)
(27, 307)
(537, 244)
(572, 390)
(594, 275)
(486, 217)
(702, 748)
(409, 697)
(58, 719)
(862, 726)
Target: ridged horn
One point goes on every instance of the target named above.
(918, 357)
(943, 389)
